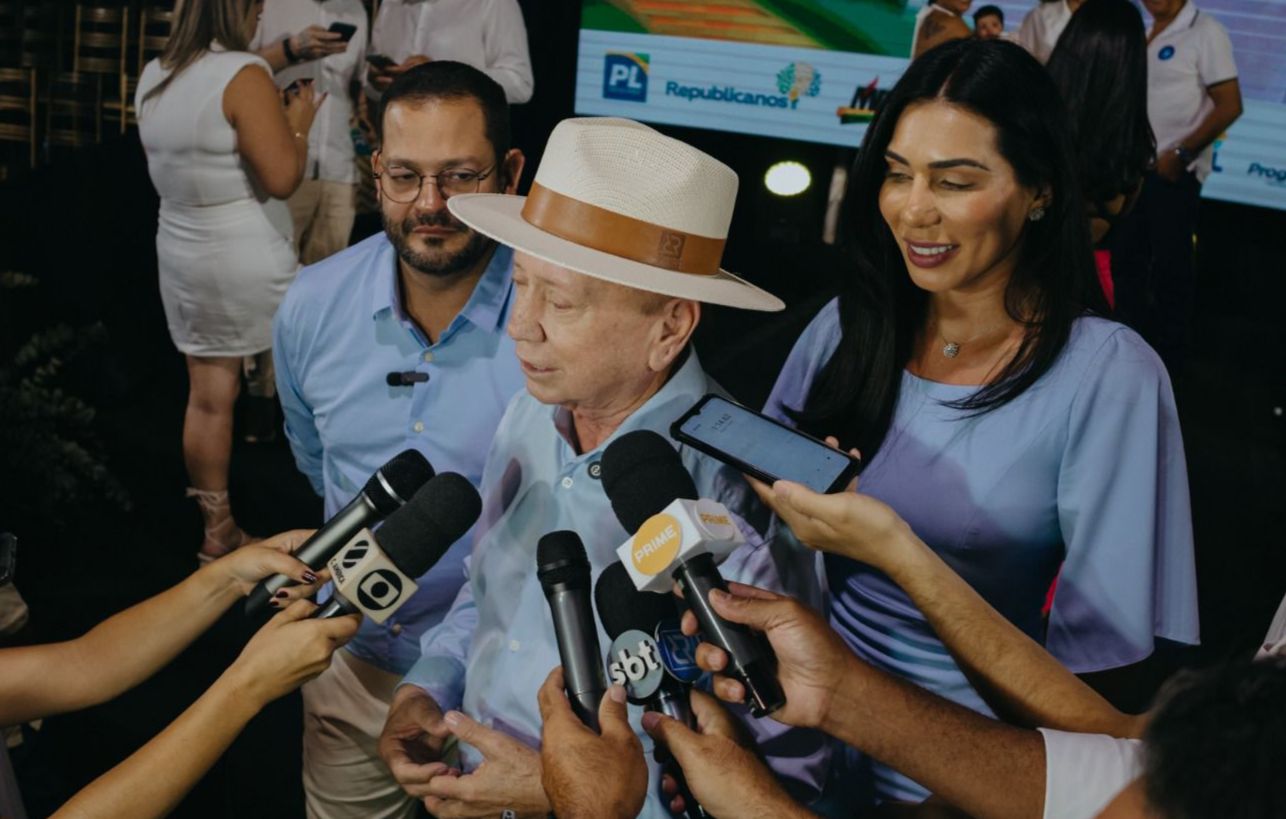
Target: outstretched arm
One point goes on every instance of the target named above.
(1011, 670)
(121, 652)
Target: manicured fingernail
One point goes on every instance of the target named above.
(281, 594)
(617, 693)
(451, 718)
(309, 577)
(273, 602)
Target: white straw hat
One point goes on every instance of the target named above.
(616, 200)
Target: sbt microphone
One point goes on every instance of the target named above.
(389, 488)
(375, 572)
(563, 570)
(680, 538)
(651, 657)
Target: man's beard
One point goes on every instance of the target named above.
(440, 264)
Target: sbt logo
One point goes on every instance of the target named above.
(633, 666)
(625, 76)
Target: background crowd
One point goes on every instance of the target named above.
(984, 336)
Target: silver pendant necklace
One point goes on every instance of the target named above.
(951, 349)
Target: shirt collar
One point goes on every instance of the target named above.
(688, 381)
(486, 307)
(1187, 16)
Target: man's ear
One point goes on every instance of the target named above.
(512, 166)
(676, 321)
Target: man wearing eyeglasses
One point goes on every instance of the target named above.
(396, 342)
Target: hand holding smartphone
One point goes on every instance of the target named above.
(344, 30)
(762, 447)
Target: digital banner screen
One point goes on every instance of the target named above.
(816, 70)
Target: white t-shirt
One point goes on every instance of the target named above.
(330, 142)
(1042, 27)
(1084, 772)
(1275, 641)
(1192, 54)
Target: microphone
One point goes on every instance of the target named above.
(375, 572)
(651, 657)
(563, 570)
(386, 490)
(682, 538)
(405, 379)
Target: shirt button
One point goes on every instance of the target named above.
(418, 426)
(428, 356)
(397, 629)
(514, 645)
(567, 482)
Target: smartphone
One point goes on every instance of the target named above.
(380, 61)
(759, 446)
(344, 30)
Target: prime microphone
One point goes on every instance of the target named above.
(563, 570)
(676, 536)
(405, 379)
(375, 573)
(650, 657)
(389, 488)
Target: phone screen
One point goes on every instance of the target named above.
(769, 447)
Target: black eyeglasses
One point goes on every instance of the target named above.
(403, 185)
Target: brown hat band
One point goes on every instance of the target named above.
(604, 230)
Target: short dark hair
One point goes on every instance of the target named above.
(1216, 744)
(993, 11)
(447, 80)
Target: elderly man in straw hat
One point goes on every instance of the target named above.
(614, 251)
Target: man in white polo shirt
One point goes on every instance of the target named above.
(1193, 96)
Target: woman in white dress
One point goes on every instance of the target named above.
(222, 154)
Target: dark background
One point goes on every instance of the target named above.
(85, 227)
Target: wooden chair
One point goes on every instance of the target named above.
(101, 39)
(41, 35)
(154, 25)
(18, 110)
(73, 111)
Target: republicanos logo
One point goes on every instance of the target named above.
(795, 81)
(625, 76)
(1274, 176)
(865, 104)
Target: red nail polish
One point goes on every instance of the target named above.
(281, 594)
(309, 577)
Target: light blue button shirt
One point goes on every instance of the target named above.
(339, 333)
(495, 648)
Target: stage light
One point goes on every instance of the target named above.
(787, 178)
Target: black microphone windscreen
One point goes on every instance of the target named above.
(417, 535)
(642, 474)
(622, 607)
(560, 557)
(405, 473)
(393, 379)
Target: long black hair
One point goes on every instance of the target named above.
(882, 312)
(1100, 66)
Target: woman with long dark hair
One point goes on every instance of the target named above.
(221, 153)
(1100, 66)
(1011, 425)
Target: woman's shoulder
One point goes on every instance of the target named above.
(1102, 350)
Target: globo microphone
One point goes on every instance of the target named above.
(563, 570)
(650, 656)
(375, 572)
(678, 537)
(389, 488)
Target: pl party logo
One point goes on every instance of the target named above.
(625, 76)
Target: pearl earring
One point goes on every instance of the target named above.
(1037, 213)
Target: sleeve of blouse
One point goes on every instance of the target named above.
(806, 359)
(1129, 574)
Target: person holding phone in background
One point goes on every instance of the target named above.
(328, 51)
(489, 35)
